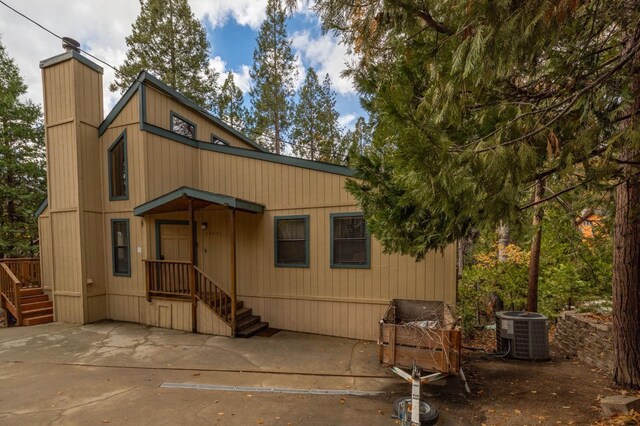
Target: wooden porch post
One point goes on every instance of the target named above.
(233, 273)
(192, 271)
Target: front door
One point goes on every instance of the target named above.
(173, 241)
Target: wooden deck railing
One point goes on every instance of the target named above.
(16, 274)
(173, 279)
(214, 296)
(168, 278)
(27, 270)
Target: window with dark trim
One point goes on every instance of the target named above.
(118, 179)
(121, 247)
(182, 126)
(216, 140)
(292, 241)
(350, 241)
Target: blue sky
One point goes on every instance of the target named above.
(232, 26)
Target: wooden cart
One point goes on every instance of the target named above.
(421, 333)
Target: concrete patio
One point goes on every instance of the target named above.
(113, 372)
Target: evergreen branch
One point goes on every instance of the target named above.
(553, 196)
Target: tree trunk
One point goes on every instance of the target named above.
(626, 257)
(626, 282)
(534, 259)
(503, 241)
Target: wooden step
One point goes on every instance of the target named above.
(240, 313)
(248, 332)
(247, 322)
(30, 292)
(38, 320)
(33, 299)
(36, 312)
(28, 305)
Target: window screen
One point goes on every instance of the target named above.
(350, 242)
(118, 169)
(292, 241)
(182, 127)
(120, 243)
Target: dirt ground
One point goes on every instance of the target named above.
(514, 392)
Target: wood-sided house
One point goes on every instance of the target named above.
(161, 214)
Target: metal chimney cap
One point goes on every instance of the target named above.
(70, 44)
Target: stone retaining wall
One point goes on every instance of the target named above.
(587, 339)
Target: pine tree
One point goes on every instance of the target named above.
(475, 102)
(358, 139)
(331, 147)
(274, 73)
(308, 129)
(316, 132)
(22, 163)
(169, 42)
(229, 105)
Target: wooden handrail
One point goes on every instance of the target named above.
(10, 289)
(182, 262)
(215, 297)
(26, 270)
(182, 280)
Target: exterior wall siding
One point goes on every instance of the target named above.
(159, 107)
(75, 230)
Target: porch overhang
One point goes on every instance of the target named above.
(178, 200)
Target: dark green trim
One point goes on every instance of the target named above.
(175, 114)
(188, 102)
(366, 265)
(70, 55)
(122, 136)
(142, 105)
(40, 209)
(159, 223)
(216, 140)
(275, 241)
(113, 250)
(132, 90)
(225, 200)
(241, 152)
(146, 78)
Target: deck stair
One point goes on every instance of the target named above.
(181, 280)
(21, 292)
(36, 307)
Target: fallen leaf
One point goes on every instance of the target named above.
(249, 395)
(534, 391)
(380, 412)
(260, 421)
(60, 393)
(518, 412)
(105, 421)
(342, 401)
(195, 374)
(221, 413)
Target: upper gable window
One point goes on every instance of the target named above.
(182, 126)
(118, 179)
(217, 141)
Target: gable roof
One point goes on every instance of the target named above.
(139, 86)
(43, 205)
(170, 198)
(146, 78)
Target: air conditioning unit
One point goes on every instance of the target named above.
(522, 335)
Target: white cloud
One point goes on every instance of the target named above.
(100, 26)
(241, 77)
(327, 56)
(347, 121)
(245, 12)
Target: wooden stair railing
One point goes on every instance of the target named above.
(171, 279)
(10, 289)
(21, 292)
(213, 296)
